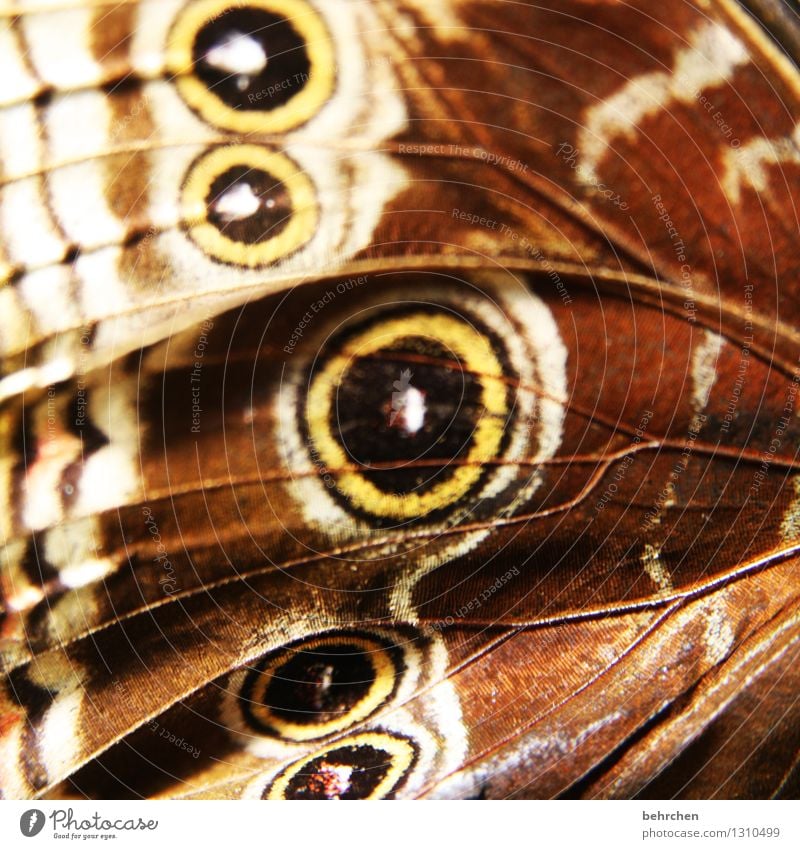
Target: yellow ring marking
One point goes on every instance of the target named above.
(299, 229)
(474, 350)
(400, 750)
(383, 684)
(297, 110)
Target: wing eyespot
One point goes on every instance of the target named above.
(433, 407)
(262, 66)
(372, 765)
(407, 413)
(320, 686)
(249, 206)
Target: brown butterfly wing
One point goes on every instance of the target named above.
(614, 615)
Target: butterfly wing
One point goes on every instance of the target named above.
(503, 504)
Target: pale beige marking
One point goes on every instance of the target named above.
(651, 560)
(705, 356)
(719, 636)
(71, 547)
(439, 16)
(54, 371)
(709, 60)
(748, 166)
(20, 142)
(704, 369)
(15, 786)
(174, 123)
(59, 45)
(86, 573)
(78, 200)
(71, 615)
(60, 727)
(366, 103)
(16, 81)
(17, 590)
(14, 324)
(48, 296)
(110, 476)
(153, 23)
(104, 292)
(56, 448)
(87, 110)
(29, 233)
(790, 526)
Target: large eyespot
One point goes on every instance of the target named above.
(248, 206)
(387, 689)
(433, 402)
(371, 765)
(418, 402)
(255, 66)
(320, 686)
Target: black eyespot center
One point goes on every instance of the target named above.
(410, 402)
(320, 685)
(368, 765)
(259, 66)
(351, 772)
(272, 65)
(419, 399)
(248, 205)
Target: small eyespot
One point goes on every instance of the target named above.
(263, 66)
(248, 206)
(320, 686)
(407, 413)
(372, 765)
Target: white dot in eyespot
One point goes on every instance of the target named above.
(334, 778)
(240, 55)
(239, 202)
(408, 410)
